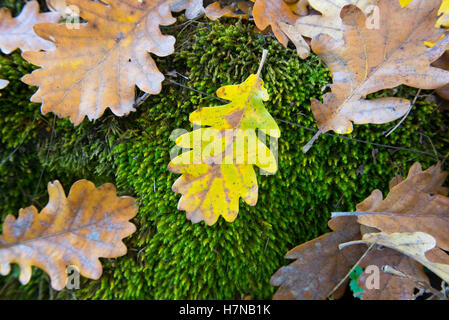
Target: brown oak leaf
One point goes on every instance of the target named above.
(18, 33)
(368, 60)
(320, 264)
(194, 8)
(270, 13)
(240, 10)
(417, 204)
(76, 230)
(329, 22)
(98, 65)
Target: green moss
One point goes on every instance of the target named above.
(170, 258)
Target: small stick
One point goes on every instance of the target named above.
(310, 143)
(262, 62)
(352, 269)
(420, 284)
(408, 111)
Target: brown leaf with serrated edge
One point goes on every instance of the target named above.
(194, 8)
(390, 287)
(417, 204)
(369, 60)
(76, 230)
(18, 33)
(270, 13)
(98, 65)
(320, 265)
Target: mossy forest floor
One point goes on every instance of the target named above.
(169, 257)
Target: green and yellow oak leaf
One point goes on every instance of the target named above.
(218, 170)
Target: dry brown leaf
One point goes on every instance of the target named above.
(194, 8)
(76, 230)
(18, 33)
(299, 7)
(443, 63)
(98, 65)
(329, 22)
(415, 204)
(414, 245)
(320, 265)
(390, 287)
(369, 60)
(270, 13)
(215, 10)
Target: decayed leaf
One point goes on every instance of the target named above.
(443, 12)
(320, 265)
(18, 33)
(272, 13)
(215, 11)
(98, 65)
(390, 287)
(414, 245)
(329, 22)
(194, 8)
(215, 174)
(369, 60)
(76, 230)
(415, 204)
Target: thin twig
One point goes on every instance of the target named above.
(431, 143)
(20, 144)
(46, 157)
(262, 62)
(350, 270)
(419, 283)
(408, 111)
(357, 140)
(197, 91)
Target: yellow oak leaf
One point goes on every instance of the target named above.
(218, 171)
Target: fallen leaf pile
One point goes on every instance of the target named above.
(70, 231)
(412, 221)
